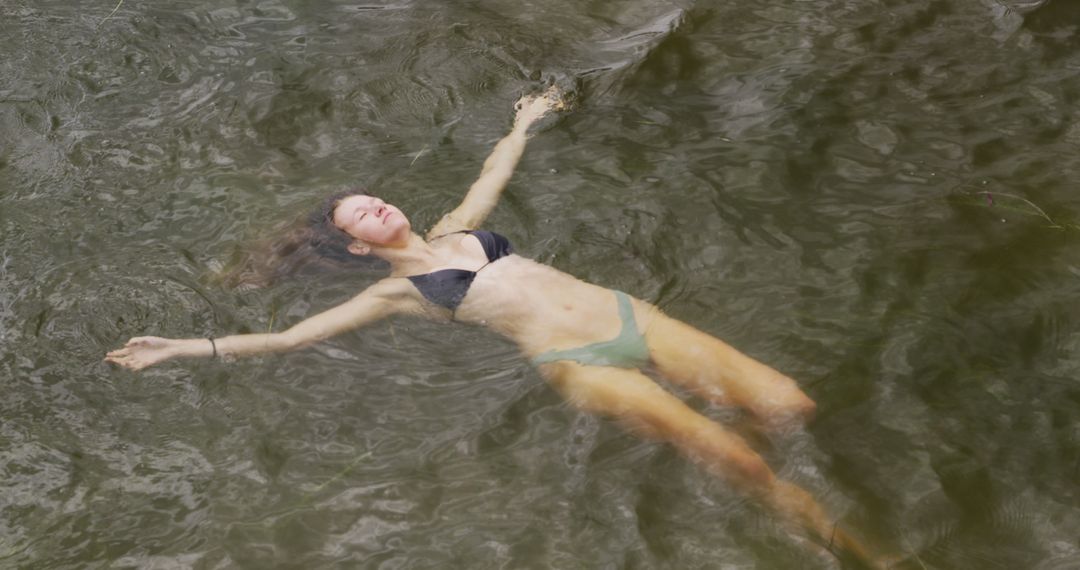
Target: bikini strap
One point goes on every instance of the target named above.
(626, 313)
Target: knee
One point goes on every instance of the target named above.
(789, 404)
(793, 413)
(802, 408)
(754, 470)
(749, 471)
(730, 457)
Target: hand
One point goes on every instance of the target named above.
(144, 351)
(530, 108)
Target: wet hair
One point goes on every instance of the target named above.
(327, 239)
(312, 245)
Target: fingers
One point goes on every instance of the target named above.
(523, 101)
(549, 96)
(126, 356)
(126, 360)
(533, 109)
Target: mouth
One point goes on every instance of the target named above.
(386, 217)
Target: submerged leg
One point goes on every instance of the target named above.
(648, 410)
(718, 372)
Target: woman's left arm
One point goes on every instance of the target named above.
(498, 168)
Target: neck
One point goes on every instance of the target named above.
(413, 256)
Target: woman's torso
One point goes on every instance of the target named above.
(535, 305)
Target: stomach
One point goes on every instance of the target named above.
(541, 308)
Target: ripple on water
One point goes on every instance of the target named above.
(38, 488)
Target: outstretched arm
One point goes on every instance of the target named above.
(484, 193)
(386, 297)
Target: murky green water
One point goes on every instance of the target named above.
(878, 198)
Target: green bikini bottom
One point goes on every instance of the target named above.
(628, 350)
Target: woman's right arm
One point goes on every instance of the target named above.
(382, 299)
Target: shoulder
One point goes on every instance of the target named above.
(395, 293)
(389, 286)
(449, 224)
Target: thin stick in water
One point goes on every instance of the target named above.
(118, 4)
(415, 158)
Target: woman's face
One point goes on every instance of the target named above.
(372, 221)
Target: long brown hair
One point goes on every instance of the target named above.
(310, 245)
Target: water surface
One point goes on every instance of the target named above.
(878, 198)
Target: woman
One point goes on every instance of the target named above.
(589, 342)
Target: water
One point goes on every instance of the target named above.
(877, 198)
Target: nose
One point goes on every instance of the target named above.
(379, 210)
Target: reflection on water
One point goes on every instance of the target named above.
(875, 198)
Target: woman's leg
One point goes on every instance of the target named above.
(718, 372)
(647, 410)
(650, 411)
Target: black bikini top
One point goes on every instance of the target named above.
(447, 287)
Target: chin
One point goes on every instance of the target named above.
(401, 233)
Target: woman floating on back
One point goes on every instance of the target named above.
(589, 342)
